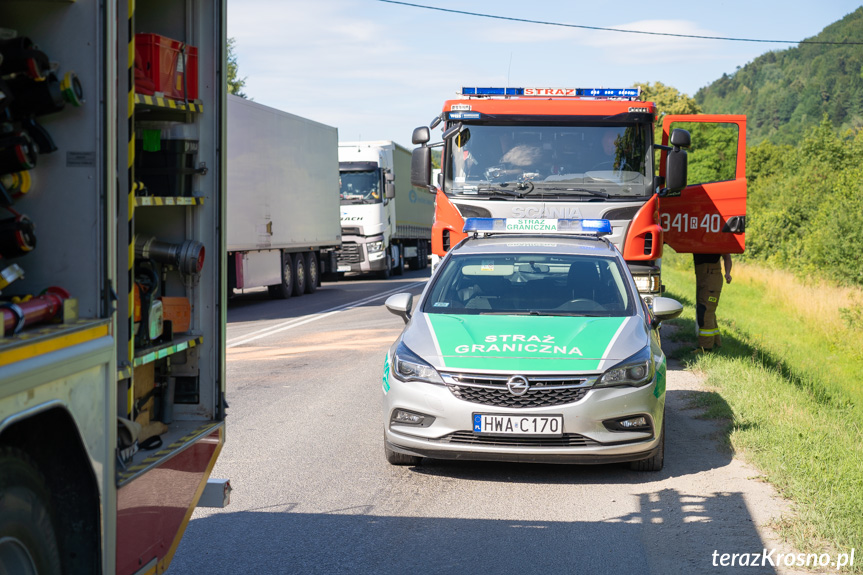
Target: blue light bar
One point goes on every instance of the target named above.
(536, 226)
(619, 93)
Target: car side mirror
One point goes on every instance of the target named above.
(400, 304)
(664, 309)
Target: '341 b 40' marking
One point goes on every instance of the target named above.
(684, 223)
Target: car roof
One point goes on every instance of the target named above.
(545, 244)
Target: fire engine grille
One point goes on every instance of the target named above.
(565, 440)
(351, 253)
(542, 391)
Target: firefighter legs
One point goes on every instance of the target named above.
(708, 285)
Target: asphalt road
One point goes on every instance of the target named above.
(314, 494)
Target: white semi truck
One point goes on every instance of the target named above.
(386, 223)
(283, 204)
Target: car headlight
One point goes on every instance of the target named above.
(410, 367)
(634, 371)
(376, 246)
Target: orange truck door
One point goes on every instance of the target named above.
(709, 215)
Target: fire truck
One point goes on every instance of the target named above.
(112, 273)
(536, 153)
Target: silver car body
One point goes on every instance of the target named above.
(485, 361)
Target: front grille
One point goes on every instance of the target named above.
(350, 231)
(542, 392)
(351, 253)
(565, 440)
(445, 240)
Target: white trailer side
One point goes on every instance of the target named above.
(283, 199)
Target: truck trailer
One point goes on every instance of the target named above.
(112, 361)
(537, 153)
(386, 222)
(283, 205)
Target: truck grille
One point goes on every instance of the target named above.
(543, 391)
(565, 440)
(351, 253)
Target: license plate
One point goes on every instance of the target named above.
(518, 424)
(344, 268)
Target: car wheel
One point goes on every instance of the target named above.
(656, 462)
(286, 288)
(396, 458)
(299, 274)
(28, 543)
(312, 271)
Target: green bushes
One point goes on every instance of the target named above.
(805, 207)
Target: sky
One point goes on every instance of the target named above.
(376, 70)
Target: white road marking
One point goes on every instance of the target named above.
(296, 322)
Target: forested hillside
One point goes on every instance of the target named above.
(786, 93)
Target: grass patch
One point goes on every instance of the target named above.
(788, 381)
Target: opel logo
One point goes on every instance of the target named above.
(517, 385)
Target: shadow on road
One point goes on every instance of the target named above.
(671, 532)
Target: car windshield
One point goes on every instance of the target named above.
(531, 284)
(360, 187)
(557, 161)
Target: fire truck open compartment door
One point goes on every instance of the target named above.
(709, 215)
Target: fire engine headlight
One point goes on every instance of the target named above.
(647, 284)
(376, 247)
(635, 371)
(410, 367)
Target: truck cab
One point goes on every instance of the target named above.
(536, 153)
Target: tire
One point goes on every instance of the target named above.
(313, 276)
(28, 543)
(656, 462)
(299, 274)
(424, 255)
(396, 458)
(399, 268)
(385, 273)
(286, 288)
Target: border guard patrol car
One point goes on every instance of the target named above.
(529, 343)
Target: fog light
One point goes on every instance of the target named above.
(632, 423)
(404, 417)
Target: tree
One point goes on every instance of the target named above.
(235, 83)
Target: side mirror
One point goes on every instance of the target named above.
(421, 136)
(676, 168)
(421, 167)
(400, 304)
(665, 308)
(389, 186)
(680, 138)
(451, 131)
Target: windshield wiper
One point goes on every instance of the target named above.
(600, 193)
(522, 188)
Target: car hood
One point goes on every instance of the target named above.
(524, 344)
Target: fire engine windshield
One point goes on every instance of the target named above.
(552, 161)
(360, 187)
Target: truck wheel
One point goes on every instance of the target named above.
(385, 273)
(656, 462)
(399, 267)
(286, 288)
(299, 274)
(28, 544)
(312, 271)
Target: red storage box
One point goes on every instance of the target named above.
(167, 66)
